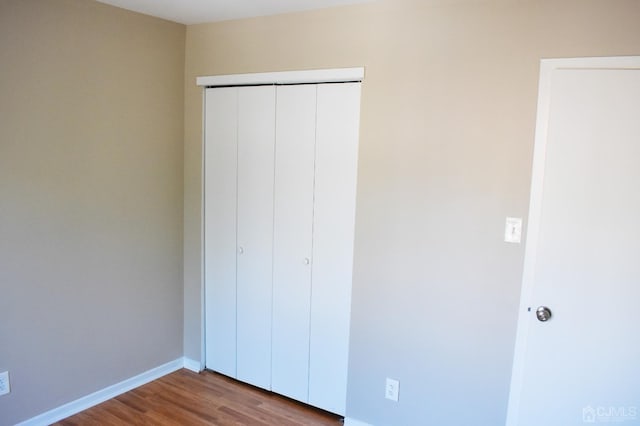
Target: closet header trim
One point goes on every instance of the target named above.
(336, 75)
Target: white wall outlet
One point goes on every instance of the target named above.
(5, 388)
(392, 389)
(513, 230)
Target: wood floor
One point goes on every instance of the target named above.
(187, 398)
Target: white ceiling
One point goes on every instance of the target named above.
(199, 11)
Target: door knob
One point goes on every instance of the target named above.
(543, 313)
(241, 250)
(307, 261)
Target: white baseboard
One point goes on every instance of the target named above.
(100, 396)
(348, 421)
(193, 365)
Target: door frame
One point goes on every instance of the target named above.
(315, 76)
(547, 69)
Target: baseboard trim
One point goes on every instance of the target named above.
(348, 421)
(109, 392)
(192, 365)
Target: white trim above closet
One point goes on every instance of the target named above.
(336, 75)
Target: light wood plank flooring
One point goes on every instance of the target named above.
(187, 398)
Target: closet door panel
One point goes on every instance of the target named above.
(256, 139)
(220, 228)
(293, 220)
(338, 116)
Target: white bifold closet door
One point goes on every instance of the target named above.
(256, 146)
(336, 165)
(293, 232)
(315, 190)
(239, 155)
(280, 193)
(220, 222)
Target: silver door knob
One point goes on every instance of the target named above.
(307, 261)
(241, 250)
(543, 313)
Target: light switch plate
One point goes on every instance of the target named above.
(513, 230)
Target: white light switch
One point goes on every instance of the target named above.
(513, 230)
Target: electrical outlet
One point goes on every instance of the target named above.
(4, 383)
(392, 389)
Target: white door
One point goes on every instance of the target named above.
(293, 227)
(220, 153)
(279, 230)
(238, 227)
(582, 258)
(256, 147)
(336, 171)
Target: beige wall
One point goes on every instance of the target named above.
(91, 143)
(91, 187)
(448, 114)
